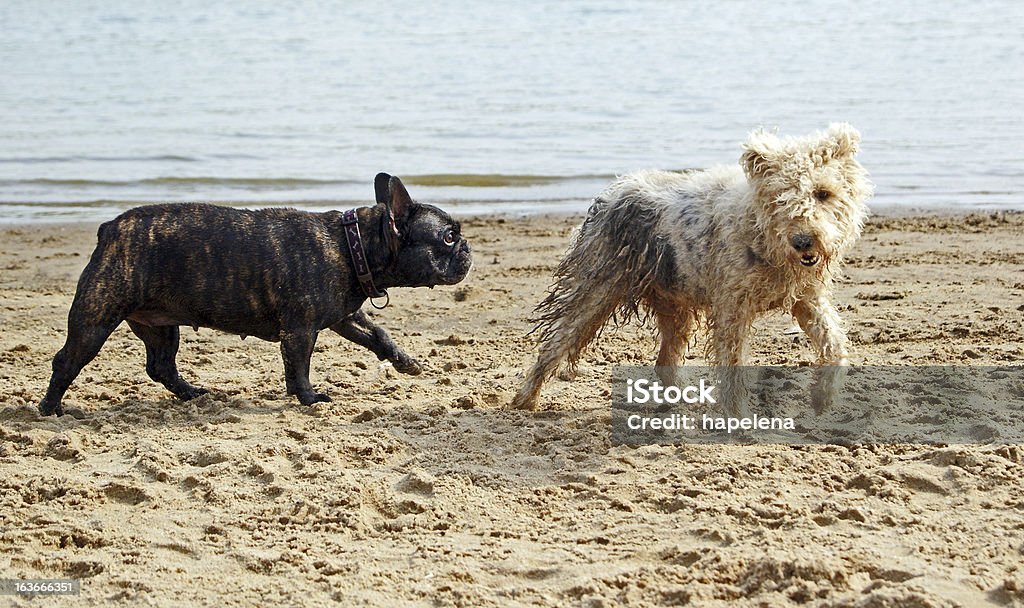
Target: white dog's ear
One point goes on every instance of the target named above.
(843, 140)
(759, 153)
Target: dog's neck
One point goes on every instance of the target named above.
(379, 258)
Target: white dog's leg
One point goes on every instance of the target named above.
(675, 325)
(730, 340)
(820, 321)
(565, 343)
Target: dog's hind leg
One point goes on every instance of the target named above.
(103, 299)
(609, 265)
(161, 350)
(360, 329)
(90, 323)
(564, 341)
(676, 322)
(296, 350)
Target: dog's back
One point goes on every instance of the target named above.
(657, 226)
(205, 265)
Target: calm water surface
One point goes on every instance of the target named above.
(524, 106)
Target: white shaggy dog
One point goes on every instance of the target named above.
(722, 246)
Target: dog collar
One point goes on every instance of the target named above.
(359, 262)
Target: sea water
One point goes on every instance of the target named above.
(524, 106)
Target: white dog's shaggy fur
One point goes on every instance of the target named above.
(722, 246)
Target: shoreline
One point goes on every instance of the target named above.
(529, 209)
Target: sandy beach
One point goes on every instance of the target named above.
(428, 491)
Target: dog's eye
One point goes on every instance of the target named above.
(449, 237)
(822, 195)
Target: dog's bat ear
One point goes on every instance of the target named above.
(392, 194)
(758, 155)
(380, 188)
(399, 201)
(843, 140)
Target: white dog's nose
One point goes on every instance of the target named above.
(802, 242)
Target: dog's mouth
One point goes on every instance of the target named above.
(809, 260)
(455, 275)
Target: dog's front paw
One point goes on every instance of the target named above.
(408, 365)
(310, 398)
(48, 409)
(825, 391)
(191, 392)
(822, 397)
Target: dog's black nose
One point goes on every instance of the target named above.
(802, 242)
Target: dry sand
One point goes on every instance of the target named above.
(426, 491)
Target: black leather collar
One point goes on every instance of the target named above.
(359, 261)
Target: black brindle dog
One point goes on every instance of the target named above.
(278, 274)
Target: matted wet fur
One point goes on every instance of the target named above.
(720, 247)
(282, 275)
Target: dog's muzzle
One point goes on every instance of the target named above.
(804, 243)
(459, 263)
